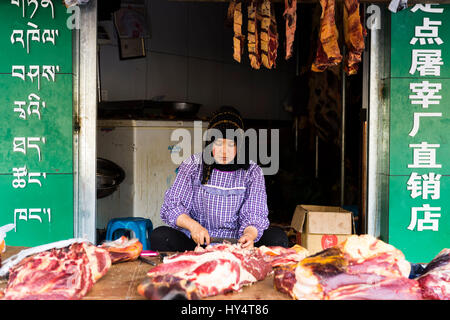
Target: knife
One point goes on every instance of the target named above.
(221, 240)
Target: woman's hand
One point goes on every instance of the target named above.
(199, 234)
(248, 237)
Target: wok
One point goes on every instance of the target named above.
(109, 176)
(180, 109)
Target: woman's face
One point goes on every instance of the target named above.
(224, 150)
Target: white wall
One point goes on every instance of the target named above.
(189, 58)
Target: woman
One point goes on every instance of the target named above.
(220, 198)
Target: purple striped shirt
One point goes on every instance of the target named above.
(228, 203)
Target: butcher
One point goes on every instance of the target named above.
(215, 194)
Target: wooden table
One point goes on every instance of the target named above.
(122, 280)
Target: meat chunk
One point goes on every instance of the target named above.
(238, 39)
(279, 256)
(123, 249)
(254, 47)
(290, 15)
(58, 274)
(387, 289)
(328, 52)
(361, 267)
(354, 36)
(269, 34)
(168, 287)
(435, 282)
(217, 269)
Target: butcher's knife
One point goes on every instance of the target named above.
(221, 240)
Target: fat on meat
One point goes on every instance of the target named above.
(214, 270)
(361, 267)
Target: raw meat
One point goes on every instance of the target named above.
(230, 14)
(354, 36)
(269, 34)
(123, 249)
(217, 269)
(290, 15)
(168, 287)
(238, 39)
(388, 289)
(328, 53)
(254, 49)
(279, 256)
(58, 274)
(435, 282)
(361, 267)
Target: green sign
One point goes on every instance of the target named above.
(419, 180)
(36, 96)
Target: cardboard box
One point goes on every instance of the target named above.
(321, 227)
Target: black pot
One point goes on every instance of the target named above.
(109, 176)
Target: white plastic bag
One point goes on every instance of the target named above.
(70, 3)
(3, 231)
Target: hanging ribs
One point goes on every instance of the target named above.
(58, 274)
(214, 270)
(328, 53)
(361, 267)
(122, 249)
(254, 49)
(238, 39)
(435, 282)
(290, 15)
(269, 34)
(354, 36)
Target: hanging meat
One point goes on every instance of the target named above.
(435, 282)
(58, 274)
(238, 39)
(328, 53)
(354, 36)
(230, 14)
(361, 267)
(269, 34)
(254, 49)
(290, 15)
(123, 249)
(214, 270)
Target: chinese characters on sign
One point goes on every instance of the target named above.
(425, 95)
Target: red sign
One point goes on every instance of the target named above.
(329, 240)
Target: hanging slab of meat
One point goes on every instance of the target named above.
(254, 49)
(290, 15)
(280, 256)
(238, 39)
(361, 267)
(328, 53)
(123, 249)
(354, 36)
(269, 34)
(435, 282)
(214, 270)
(58, 274)
(230, 14)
